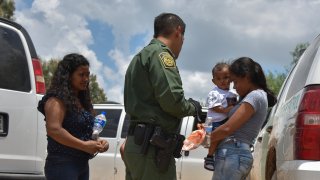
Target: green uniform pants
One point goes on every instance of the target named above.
(142, 167)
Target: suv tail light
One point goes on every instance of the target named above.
(40, 84)
(307, 145)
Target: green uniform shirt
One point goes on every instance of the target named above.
(153, 88)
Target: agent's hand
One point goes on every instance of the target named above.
(200, 126)
(198, 107)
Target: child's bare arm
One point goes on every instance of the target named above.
(220, 109)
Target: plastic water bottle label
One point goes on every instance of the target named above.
(208, 128)
(100, 121)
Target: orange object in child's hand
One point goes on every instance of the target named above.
(194, 140)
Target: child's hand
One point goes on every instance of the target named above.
(228, 109)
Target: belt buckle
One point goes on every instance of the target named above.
(229, 140)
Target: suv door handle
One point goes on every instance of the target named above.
(269, 129)
(4, 124)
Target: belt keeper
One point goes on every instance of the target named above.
(238, 143)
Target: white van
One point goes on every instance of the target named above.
(109, 165)
(288, 147)
(22, 130)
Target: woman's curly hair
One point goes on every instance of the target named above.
(61, 83)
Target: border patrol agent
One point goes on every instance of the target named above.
(154, 98)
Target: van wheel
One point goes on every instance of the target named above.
(271, 164)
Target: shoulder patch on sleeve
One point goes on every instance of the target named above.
(167, 60)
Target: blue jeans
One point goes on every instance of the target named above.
(233, 161)
(66, 168)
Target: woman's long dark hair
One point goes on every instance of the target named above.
(61, 83)
(245, 66)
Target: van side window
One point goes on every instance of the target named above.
(14, 73)
(113, 117)
(125, 126)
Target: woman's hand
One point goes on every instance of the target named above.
(104, 145)
(92, 147)
(122, 149)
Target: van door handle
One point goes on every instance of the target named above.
(269, 129)
(4, 124)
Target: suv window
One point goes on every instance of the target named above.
(113, 117)
(14, 72)
(301, 74)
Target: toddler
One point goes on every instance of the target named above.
(220, 101)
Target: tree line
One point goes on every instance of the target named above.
(276, 79)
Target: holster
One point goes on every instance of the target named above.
(178, 146)
(162, 160)
(142, 134)
(167, 147)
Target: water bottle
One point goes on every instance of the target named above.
(208, 129)
(99, 123)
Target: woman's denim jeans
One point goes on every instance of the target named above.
(66, 168)
(233, 161)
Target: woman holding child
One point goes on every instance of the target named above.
(231, 141)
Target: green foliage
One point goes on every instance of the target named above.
(97, 93)
(275, 81)
(297, 52)
(48, 68)
(7, 8)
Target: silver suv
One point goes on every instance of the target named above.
(288, 147)
(22, 129)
